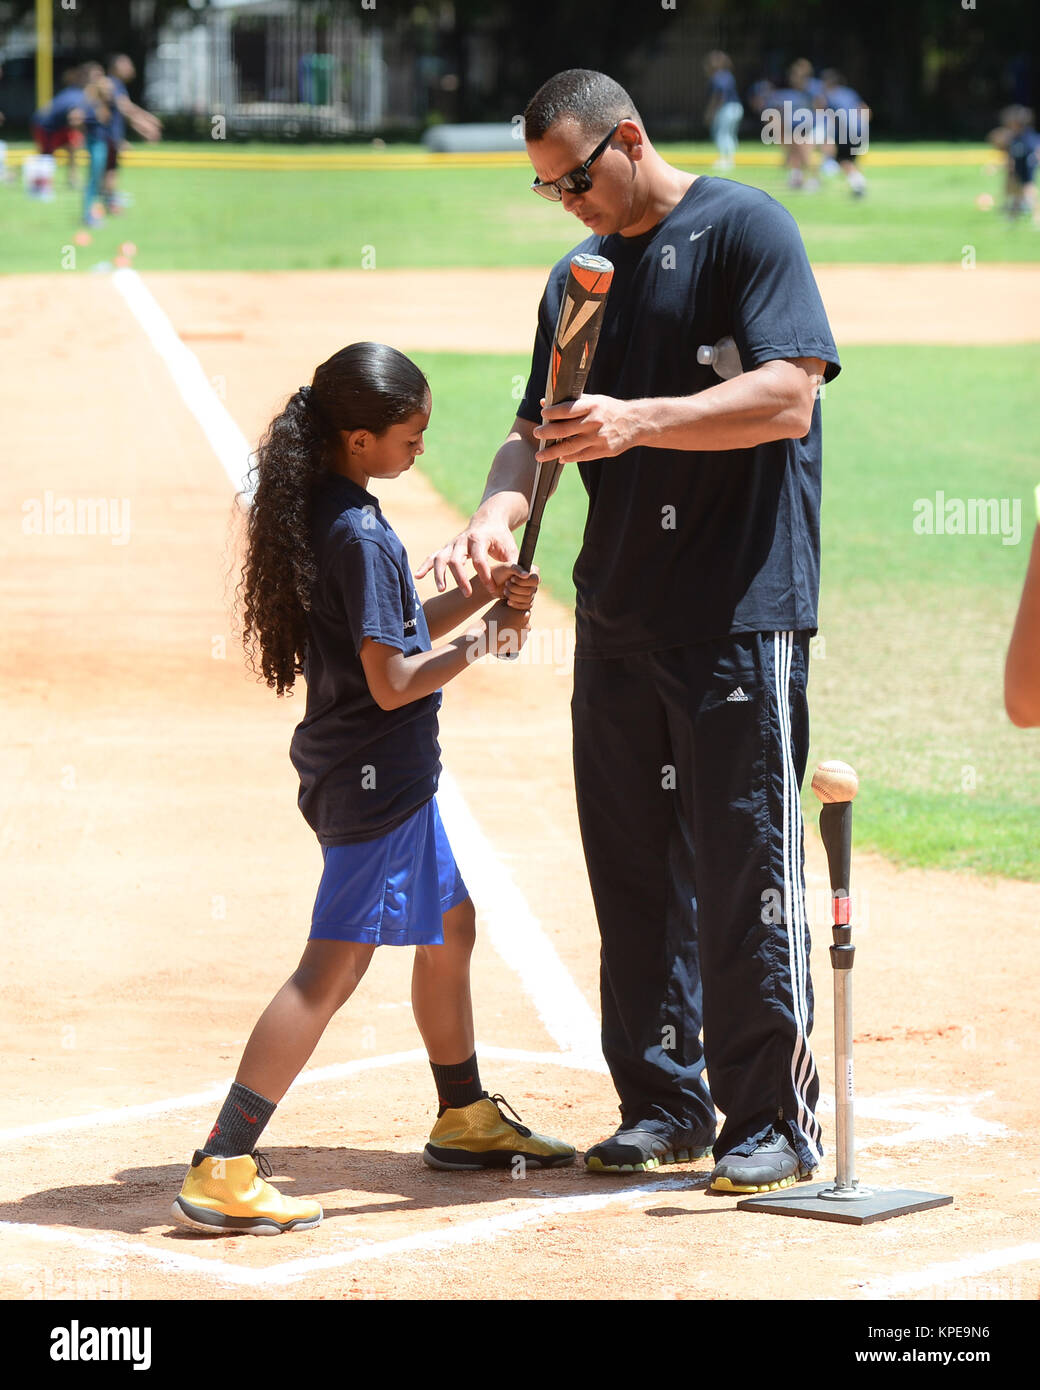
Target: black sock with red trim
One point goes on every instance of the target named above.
(457, 1085)
(239, 1124)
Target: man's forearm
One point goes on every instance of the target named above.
(754, 408)
(510, 483)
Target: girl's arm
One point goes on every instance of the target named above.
(395, 679)
(445, 611)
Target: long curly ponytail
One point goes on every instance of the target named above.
(364, 386)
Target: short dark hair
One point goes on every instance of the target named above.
(591, 99)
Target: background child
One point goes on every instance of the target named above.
(59, 124)
(1022, 143)
(328, 592)
(99, 112)
(850, 117)
(797, 103)
(121, 71)
(724, 112)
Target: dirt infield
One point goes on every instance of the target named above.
(160, 881)
(491, 310)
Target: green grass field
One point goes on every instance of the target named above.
(247, 219)
(906, 681)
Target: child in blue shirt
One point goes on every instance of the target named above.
(724, 111)
(327, 592)
(1022, 145)
(99, 114)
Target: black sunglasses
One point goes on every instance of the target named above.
(577, 181)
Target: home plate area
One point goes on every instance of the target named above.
(381, 1203)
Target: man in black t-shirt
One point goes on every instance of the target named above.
(697, 586)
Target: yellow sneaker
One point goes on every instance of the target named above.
(227, 1196)
(480, 1136)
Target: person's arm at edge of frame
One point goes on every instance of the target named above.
(1022, 667)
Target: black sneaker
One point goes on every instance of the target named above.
(638, 1151)
(763, 1163)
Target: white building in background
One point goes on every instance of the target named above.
(275, 67)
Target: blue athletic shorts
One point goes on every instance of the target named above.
(391, 891)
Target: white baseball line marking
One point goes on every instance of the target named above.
(292, 1271)
(970, 1267)
(215, 1093)
(933, 1118)
(517, 935)
(226, 439)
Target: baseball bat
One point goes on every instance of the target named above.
(573, 347)
(574, 343)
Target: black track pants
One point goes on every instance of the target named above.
(688, 764)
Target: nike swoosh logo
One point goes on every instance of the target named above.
(695, 235)
(252, 1119)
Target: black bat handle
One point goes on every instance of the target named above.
(525, 559)
(527, 546)
(534, 521)
(836, 833)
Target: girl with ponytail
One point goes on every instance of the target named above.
(327, 593)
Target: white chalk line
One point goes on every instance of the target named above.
(226, 439)
(517, 935)
(882, 1107)
(216, 1092)
(969, 1268)
(955, 1119)
(363, 1252)
(933, 1118)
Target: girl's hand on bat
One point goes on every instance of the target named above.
(592, 427)
(512, 584)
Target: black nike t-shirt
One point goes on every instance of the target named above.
(686, 546)
(363, 770)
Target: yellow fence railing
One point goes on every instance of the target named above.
(229, 157)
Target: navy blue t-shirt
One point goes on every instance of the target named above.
(686, 546)
(1022, 152)
(724, 85)
(117, 129)
(56, 115)
(363, 770)
(96, 128)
